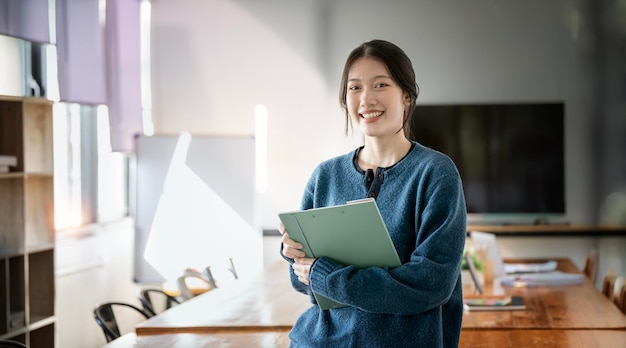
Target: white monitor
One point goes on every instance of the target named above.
(489, 242)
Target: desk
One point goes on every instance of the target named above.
(265, 309)
(542, 338)
(263, 304)
(251, 339)
(579, 306)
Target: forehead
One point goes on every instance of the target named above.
(364, 68)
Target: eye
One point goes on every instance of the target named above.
(354, 88)
(380, 85)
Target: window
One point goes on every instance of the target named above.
(90, 181)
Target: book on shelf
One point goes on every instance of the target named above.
(351, 234)
(6, 160)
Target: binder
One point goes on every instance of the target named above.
(350, 234)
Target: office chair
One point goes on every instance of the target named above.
(608, 283)
(591, 265)
(146, 297)
(619, 293)
(193, 283)
(106, 319)
(621, 299)
(12, 344)
(232, 268)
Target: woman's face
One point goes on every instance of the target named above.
(374, 100)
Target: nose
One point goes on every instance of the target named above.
(367, 97)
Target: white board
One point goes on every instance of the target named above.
(225, 164)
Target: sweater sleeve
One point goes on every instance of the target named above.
(427, 280)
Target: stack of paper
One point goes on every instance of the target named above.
(530, 267)
(6, 162)
(556, 278)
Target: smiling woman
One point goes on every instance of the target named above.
(373, 97)
(420, 198)
(381, 79)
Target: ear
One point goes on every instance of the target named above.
(407, 99)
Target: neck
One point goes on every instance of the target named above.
(383, 153)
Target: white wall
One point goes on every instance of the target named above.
(213, 61)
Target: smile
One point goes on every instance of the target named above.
(372, 114)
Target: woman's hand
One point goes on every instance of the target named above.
(291, 248)
(301, 268)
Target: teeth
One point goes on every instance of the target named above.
(373, 114)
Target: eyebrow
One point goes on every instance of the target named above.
(375, 77)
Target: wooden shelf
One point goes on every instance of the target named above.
(550, 230)
(27, 285)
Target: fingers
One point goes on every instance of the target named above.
(290, 242)
(291, 248)
(302, 268)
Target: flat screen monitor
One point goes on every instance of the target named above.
(510, 156)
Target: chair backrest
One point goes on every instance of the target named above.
(591, 265)
(12, 344)
(619, 293)
(191, 285)
(105, 317)
(622, 300)
(608, 283)
(146, 299)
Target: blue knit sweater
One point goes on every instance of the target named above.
(418, 304)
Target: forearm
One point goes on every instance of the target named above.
(412, 288)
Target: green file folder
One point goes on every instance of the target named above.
(351, 234)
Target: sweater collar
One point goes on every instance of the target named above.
(355, 159)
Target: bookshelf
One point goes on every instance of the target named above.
(27, 289)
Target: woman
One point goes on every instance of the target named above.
(420, 197)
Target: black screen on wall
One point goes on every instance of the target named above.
(510, 156)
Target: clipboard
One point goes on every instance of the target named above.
(350, 234)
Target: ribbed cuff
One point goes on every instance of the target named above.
(317, 277)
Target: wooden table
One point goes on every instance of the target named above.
(261, 311)
(579, 306)
(187, 340)
(469, 339)
(263, 304)
(542, 338)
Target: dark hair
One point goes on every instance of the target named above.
(400, 68)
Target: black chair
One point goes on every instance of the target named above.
(146, 299)
(105, 317)
(12, 344)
